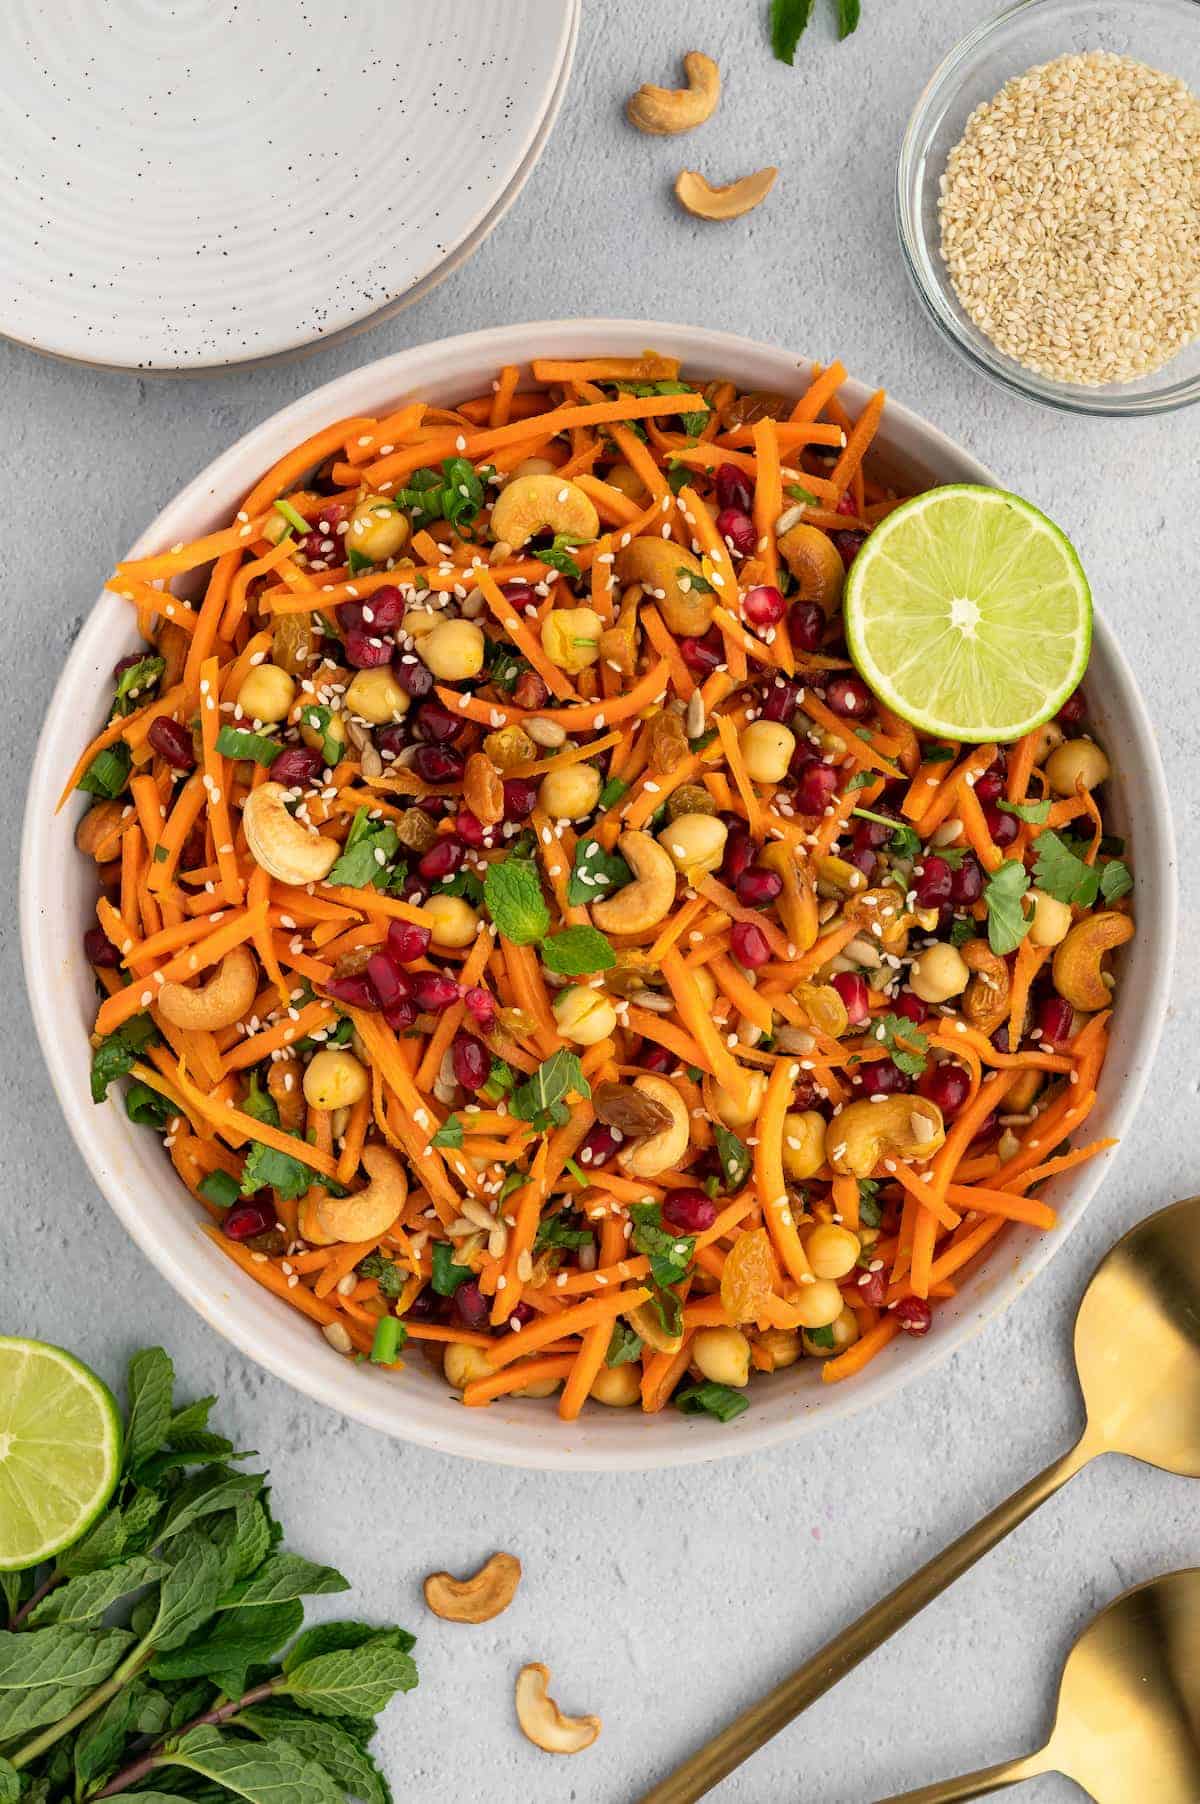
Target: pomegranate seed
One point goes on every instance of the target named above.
(935, 886)
(806, 626)
(439, 725)
(703, 656)
(415, 678)
(172, 742)
(691, 1211)
(442, 859)
(862, 858)
(989, 787)
(385, 609)
(1054, 1018)
(914, 1315)
(946, 1084)
(356, 990)
(1073, 712)
(598, 1145)
(870, 835)
(367, 650)
(470, 1305)
(733, 489)
(471, 829)
(406, 941)
(296, 767)
(749, 945)
(520, 594)
(99, 950)
(738, 855)
(530, 690)
(911, 1008)
(872, 1288)
(967, 882)
(849, 544)
(433, 991)
(401, 1016)
(849, 696)
(1002, 827)
(737, 529)
(656, 1059)
(317, 547)
(780, 700)
(851, 986)
(757, 886)
(482, 1006)
(391, 740)
(763, 605)
(390, 983)
(846, 504)
(815, 789)
(883, 1077)
(520, 798)
(245, 1220)
(471, 1060)
(438, 763)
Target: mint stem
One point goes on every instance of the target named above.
(138, 1769)
(129, 1668)
(31, 1603)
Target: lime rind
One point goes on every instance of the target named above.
(60, 1450)
(968, 613)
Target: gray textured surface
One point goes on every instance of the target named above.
(663, 1601)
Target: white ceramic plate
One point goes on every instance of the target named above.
(58, 895)
(219, 181)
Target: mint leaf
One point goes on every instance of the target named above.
(1033, 812)
(512, 892)
(117, 1054)
(719, 1400)
(595, 873)
(331, 1637)
(260, 1772)
(735, 1157)
(869, 1211)
(150, 1385)
(449, 1134)
(556, 1231)
(670, 1254)
(332, 1747)
(962, 931)
(44, 1673)
(624, 1347)
(282, 1577)
(357, 560)
(84, 1600)
(557, 1077)
(1003, 893)
(578, 950)
(369, 849)
(230, 1643)
(904, 1041)
(789, 19)
(821, 1337)
(848, 14)
(447, 1275)
(189, 1591)
(108, 773)
(236, 742)
(355, 1682)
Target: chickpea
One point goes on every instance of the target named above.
(541, 1387)
(375, 695)
(453, 649)
(939, 973)
(695, 843)
(622, 477)
(334, 1079)
(732, 1110)
(463, 1363)
(534, 466)
(845, 1333)
(723, 1355)
(377, 530)
(767, 748)
(571, 637)
(1078, 761)
(266, 693)
(454, 922)
(314, 737)
(618, 1386)
(1050, 737)
(782, 1345)
(832, 1251)
(583, 1015)
(803, 1144)
(419, 621)
(818, 1304)
(1051, 921)
(570, 792)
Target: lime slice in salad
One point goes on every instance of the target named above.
(60, 1450)
(968, 613)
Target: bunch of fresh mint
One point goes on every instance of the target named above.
(164, 1656)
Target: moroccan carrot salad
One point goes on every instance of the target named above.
(530, 936)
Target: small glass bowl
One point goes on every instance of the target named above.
(1163, 33)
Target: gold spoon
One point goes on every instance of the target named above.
(1137, 1352)
(1128, 1723)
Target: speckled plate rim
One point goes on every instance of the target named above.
(128, 1166)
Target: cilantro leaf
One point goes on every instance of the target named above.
(734, 1156)
(708, 1399)
(556, 1231)
(512, 891)
(386, 1273)
(558, 554)
(595, 873)
(1035, 813)
(447, 1273)
(962, 931)
(147, 1107)
(1003, 893)
(693, 582)
(117, 1053)
(576, 951)
(869, 1212)
(904, 1041)
(789, 19)
(370, 846)
(1062, 873)
(1115, 880)
(318, 719)
(555, 1078)
(135, 680)
(259, 1103)
(449, 1134)
(905, 841)
(265, 1168)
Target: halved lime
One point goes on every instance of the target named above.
(968, 613)
(60, 1450)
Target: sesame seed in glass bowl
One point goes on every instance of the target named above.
(1048, 202)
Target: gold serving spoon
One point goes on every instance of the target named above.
(1128, 1723)
(1137, 1352)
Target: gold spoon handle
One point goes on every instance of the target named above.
(747, 1732)
(973, 1785)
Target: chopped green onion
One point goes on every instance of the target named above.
(387, 1343)
(234, 742)
(292, 515)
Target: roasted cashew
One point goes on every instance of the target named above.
(730, 202)
(647, 900)
(283, 846)
(1078, 967)
(664, 111)
(543, 1722)
(532, 504)
(477, 1599)
(645, 1158)
(909, 1127)
(656, 563)
(224, 999)
(816, 563)
(985, 999)
(98, 834)
(366, 1213)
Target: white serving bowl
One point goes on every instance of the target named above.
(128, 1163)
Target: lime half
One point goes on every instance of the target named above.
(60, 1450)
(968, 613)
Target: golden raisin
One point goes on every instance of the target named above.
(748, 1279)
(689, 798)
(509, 746)
(483, 789)
(667, 742)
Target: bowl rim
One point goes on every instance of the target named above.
(920, 254)
(229, 1307)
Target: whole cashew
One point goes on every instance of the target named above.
(1078, 963)
(224, 999)
(477, 1599)
(910, 1127)
(816, 563)
(985, 999)
(730, 202)
(531, 504)
(543, 1722)
(98, 834)
(664, 111)
(366, 1213)
(656, 564)
(657, 1152)
(283, 846)
(647, 900)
